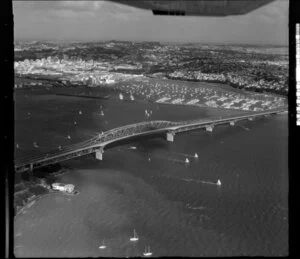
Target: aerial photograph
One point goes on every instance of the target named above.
(151, 128)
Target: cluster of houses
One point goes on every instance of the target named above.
(235, 79)
(90, 73)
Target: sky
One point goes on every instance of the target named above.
(105, 20)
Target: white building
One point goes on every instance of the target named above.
(63, 187)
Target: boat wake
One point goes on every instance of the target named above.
(185, 154)
(186, 161)
(176, 160)
(244, 127)
(193, 180)
(188, 206)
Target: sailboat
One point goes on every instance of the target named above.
(196, 155)
(147, 252)
(103, 246)
(187, 160)
(135, 236)
(102, 113)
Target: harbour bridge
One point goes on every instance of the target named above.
(114, 136)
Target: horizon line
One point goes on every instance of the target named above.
(140, 41)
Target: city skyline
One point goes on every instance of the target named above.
(104, 21)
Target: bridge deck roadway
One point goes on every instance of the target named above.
(125, 132)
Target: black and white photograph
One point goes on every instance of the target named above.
(151, 128)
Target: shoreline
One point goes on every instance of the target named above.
(19, 209)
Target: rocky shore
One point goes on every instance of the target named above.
(28, 189)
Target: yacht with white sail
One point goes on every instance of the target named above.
(135, 236)
(102, 246)
(147, 251)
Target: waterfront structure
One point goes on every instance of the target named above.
(63, 187)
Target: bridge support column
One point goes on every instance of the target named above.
(170, 136)
(30, 171)
(232, 123)
(209, 128)
(99, 154)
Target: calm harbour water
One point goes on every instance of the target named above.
(175, 208)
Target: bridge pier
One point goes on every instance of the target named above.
(232, 123)
(30, 171)
(170, 136)
(99, 154)
(209, 128)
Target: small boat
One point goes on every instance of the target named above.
(187, 160)
(35, 145)
(102, 246)
(80, 112)
(196, 155)
(121, 96)
(75, 123)
(135, 236)
(218, 182)
(102, 113)
(132, 147)
(59, 147)
(147, 252)
(149, 159)
(131, 97)
(17, 146)
(69, 137)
